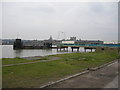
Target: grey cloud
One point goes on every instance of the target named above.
(38, 9)
(40, 20)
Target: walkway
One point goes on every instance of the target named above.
(106, 77)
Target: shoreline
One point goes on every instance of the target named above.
(41, 56)
(44, 72)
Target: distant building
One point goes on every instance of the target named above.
(89, 42)
(68, 42)
(114, 42)
(8, 41)
(73, 38)
(0, 41)
(32, 43)
(50, 39)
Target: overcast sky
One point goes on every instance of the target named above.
(85, 20)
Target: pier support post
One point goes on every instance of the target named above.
(60, 49)
(77, 49)
(91, 49)
(67, 49)
(72, 49)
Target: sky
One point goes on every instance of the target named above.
(39, 20)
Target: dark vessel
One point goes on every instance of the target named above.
(18, 44)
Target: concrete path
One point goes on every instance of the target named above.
(113, 84)
(106, 77)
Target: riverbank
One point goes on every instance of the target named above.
(35, 75)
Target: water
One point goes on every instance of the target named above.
(8, 52)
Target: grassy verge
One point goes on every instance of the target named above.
(37, 74)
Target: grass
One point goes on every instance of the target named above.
(6, 61)
(37, 74)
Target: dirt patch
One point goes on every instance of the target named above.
(33, 57)
(40, 57)
(53, 58)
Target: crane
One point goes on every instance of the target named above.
(61, 34)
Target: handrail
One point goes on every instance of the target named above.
(96, 45)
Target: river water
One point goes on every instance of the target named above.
(9, 52)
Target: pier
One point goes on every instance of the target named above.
(47, 44)
(87, 47)
(65, 48)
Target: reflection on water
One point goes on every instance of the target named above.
(0, 51)
(17, 53)
(8, 52)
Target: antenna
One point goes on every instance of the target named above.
(63, 34)
(58, 35)
(17, 35)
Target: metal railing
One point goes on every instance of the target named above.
(94, 45)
